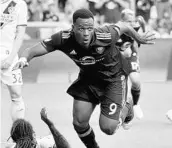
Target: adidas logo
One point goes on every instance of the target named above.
(73, 52)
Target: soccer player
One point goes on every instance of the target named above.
(101, 78)
(13, 22)
(23, 135)
(129, 49)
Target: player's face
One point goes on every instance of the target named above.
(130, 18)
(83, 30)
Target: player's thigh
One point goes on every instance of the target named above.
(112, 102)
(82, 111)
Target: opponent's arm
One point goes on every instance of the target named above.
(124, 28)
(59, 139)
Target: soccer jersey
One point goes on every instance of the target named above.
(12, 14)
(101, 61)
(125, 38)
(44, 142)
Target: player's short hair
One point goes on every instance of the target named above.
(22, 134)
(126, 12)
(82, 13)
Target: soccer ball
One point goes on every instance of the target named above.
(169, 115)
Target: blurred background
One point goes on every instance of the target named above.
(157, 13)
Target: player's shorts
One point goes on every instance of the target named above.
(11, 77)
(134, 63)
(111, 96)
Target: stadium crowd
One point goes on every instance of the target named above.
(157, 13)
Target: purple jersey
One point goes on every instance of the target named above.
(101, 61)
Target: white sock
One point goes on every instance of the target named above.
(17, 108)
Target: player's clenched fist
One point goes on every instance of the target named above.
(22, 62)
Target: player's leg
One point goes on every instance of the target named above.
(82, 110)
(114, 108)
(81, 115)
(135, 85)
(13, 80)
(17, 103)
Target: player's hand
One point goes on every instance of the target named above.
(148, 38)
(5, 64)
(44, 114)
(22, 62)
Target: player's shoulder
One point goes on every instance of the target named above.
(62, 36)
(103, 36)
(103, 33)
(66, 34)
(20, 3)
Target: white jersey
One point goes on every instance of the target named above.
(13, 13)
(45, 142)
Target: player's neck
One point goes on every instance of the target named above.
(4, 1)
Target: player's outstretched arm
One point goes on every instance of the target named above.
(59, 139)
(146, 38)
(29, 53)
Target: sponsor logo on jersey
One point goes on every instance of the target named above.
(87, 60)
(8, 15)
(100, 50)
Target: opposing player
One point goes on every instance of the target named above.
(101, 78)
(13, 21)
(129, 49)
(23, 135)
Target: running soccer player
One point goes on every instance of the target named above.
(101, 78)
(23, 135)
(129, 49)
(13, 22)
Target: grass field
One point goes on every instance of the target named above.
(153, 131)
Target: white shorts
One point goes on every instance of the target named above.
(10, 76)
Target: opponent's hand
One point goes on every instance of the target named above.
(22, 62)
(148, 38)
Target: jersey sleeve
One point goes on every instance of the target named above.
(115, 32)
(53, 43)
(22, 14)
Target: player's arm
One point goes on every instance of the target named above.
(42, 48)
(59, 139)
(124, 28)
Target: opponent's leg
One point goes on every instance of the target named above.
(81, 115)
(135, 92)
(17, 104)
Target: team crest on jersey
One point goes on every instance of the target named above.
(100, 50)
